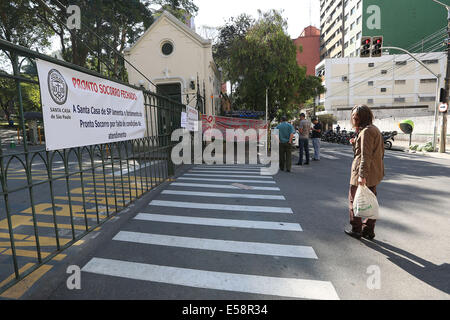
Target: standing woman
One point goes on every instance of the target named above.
(367, 166)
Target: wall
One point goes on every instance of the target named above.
(189, 59)
(404, 22)
(309, 53)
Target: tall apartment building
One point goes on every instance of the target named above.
(402, 23)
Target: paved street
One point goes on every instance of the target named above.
(200, 237)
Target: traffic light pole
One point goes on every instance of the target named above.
(442, 144)
(443, 141)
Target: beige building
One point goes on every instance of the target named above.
(395, 87)
(173, 57)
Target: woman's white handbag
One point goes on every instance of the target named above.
(365, 204)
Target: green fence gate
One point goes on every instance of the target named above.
(51, 199)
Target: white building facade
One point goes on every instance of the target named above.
(178, 62)
(395, 87)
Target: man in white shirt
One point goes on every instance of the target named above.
(304, 129)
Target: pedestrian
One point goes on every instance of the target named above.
(304, 130)
(338, 128)
(286, 133)
(367, 167)
(316, 135)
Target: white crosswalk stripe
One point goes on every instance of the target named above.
(223, 195)
(270, 249)
(326, 156)
(227, 172)
(170, 215)
(220, 186)
(227, 169)
(226, 180)
(283, 287)
(286, 226)
(225, 176)
(225, 207)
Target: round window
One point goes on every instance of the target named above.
(167, 48)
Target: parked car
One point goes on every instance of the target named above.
(295, 141)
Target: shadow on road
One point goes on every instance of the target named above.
(426, 271)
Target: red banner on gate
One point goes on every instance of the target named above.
(224, 123)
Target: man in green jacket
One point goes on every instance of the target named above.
(286, 134)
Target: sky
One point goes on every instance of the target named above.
(214, 13)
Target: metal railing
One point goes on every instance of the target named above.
(49, 200)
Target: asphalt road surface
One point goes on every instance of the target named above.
(202, 237)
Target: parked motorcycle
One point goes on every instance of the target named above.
(388, 137)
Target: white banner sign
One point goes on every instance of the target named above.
(80, 109)
(192, 119)
(183, 119)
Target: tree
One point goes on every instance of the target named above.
(7, 97)
(230, 36)
(182, 9)
(262, 57)
(20, 25)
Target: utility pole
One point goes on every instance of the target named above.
(442, 143)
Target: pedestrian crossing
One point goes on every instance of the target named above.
(240, 235)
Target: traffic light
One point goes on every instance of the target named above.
(443, 95)
(377, 43)
(366, 44)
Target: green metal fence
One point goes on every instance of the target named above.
(49, 200)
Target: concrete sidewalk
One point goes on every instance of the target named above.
(404, 146)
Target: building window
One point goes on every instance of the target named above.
(401, 63)
(370, 83)
(358, 35)
(352, 26)
(383, 89)
(434, 61)
(383, 71)
(371, 65)
(399, 99)
(400, 81)
(427, 80)
(369, 101)
(358, 21)
(167, 48)
(427, 99)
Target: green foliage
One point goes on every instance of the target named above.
(256, 55)
(428, 147)
(118, 23)
(20, 25)
(9, 102)
(182, 9)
